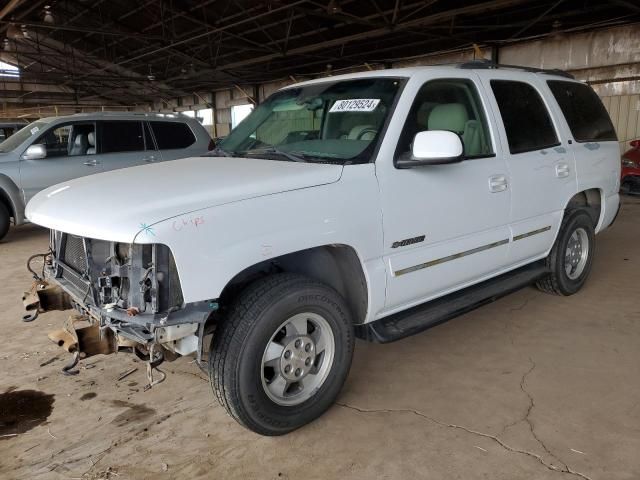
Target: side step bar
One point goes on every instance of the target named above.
(430, 314)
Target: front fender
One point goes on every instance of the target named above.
(212, 246)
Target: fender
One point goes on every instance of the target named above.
(10, 191)
(213, 245)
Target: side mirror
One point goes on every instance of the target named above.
(35, 152)
(433, 147)
(635, 143)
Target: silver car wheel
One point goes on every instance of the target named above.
(577, 253)
(297, 359)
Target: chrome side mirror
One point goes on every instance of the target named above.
(433, 147)
(35, 152)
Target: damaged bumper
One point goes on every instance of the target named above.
(125, 296)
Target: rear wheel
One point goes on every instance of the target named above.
(281, 356)
(5, 220)
(570, 259)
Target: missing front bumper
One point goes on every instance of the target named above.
(44, 297)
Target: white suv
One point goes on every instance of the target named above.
(374, 205)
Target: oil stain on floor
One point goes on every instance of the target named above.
(22, 410)
(133, 413)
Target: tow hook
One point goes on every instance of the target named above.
(83, 339)
(43, 297)
(153, 358)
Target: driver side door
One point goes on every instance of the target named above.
(445, 226)
(70, 154)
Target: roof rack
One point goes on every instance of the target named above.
(490, 65)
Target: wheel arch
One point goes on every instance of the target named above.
(590, 199)
(336, 265)
(10, 197)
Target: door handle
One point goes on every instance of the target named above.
(91, 163)
(150, 159)
(497, 183)
(562, 170)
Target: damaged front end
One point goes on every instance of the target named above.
(127, 296)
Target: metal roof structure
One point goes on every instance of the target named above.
(122, 52)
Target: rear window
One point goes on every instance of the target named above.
(170, 135)
(122, 136)
(525, 116)
(585, 114)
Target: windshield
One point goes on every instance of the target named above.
(20, 136)
(338, 121)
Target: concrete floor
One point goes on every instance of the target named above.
(530, 387)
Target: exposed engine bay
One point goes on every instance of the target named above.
(127, 297)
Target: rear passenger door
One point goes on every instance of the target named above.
(541, 166)
(172, 139)
(125, 143)
(595, 145)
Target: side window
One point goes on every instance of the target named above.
(524, 115)
(69, 140)
(122, 136)
(148, 138)
(448, 104)
(584, 112)
(171, 135)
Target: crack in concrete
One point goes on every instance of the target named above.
(517, 309)
(549, 466)
(527, 418)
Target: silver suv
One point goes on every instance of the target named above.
(56, 149)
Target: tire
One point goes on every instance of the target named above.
(280, 315)
(5, 220)
(568, 263)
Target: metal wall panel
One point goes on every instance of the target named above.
(624, 111)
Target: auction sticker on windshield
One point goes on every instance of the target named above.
(355, 105)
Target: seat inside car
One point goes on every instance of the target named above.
(80, 145)
(455, 118)
(91, 140)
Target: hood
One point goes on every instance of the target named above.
(117, 205)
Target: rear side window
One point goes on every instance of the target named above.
(122, 136)
(148, 138)
(170, 135)
(524, 115)
(585, 114)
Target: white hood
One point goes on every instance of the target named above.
(116, 205)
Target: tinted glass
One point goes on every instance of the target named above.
(68, 140)
(451, 105)
(122, 136)
(148, 138)
(583, 110)
(171, 135)
(524, 115)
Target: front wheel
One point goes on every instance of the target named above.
(5, 220)
(571, 257)
(281, 356)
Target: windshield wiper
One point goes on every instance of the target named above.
(275, 151)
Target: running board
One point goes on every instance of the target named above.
(435, 312)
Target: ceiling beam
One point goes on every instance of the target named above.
(71, 28)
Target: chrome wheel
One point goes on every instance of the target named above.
(297, 359)
(576, 254)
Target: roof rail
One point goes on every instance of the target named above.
(490, 65)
